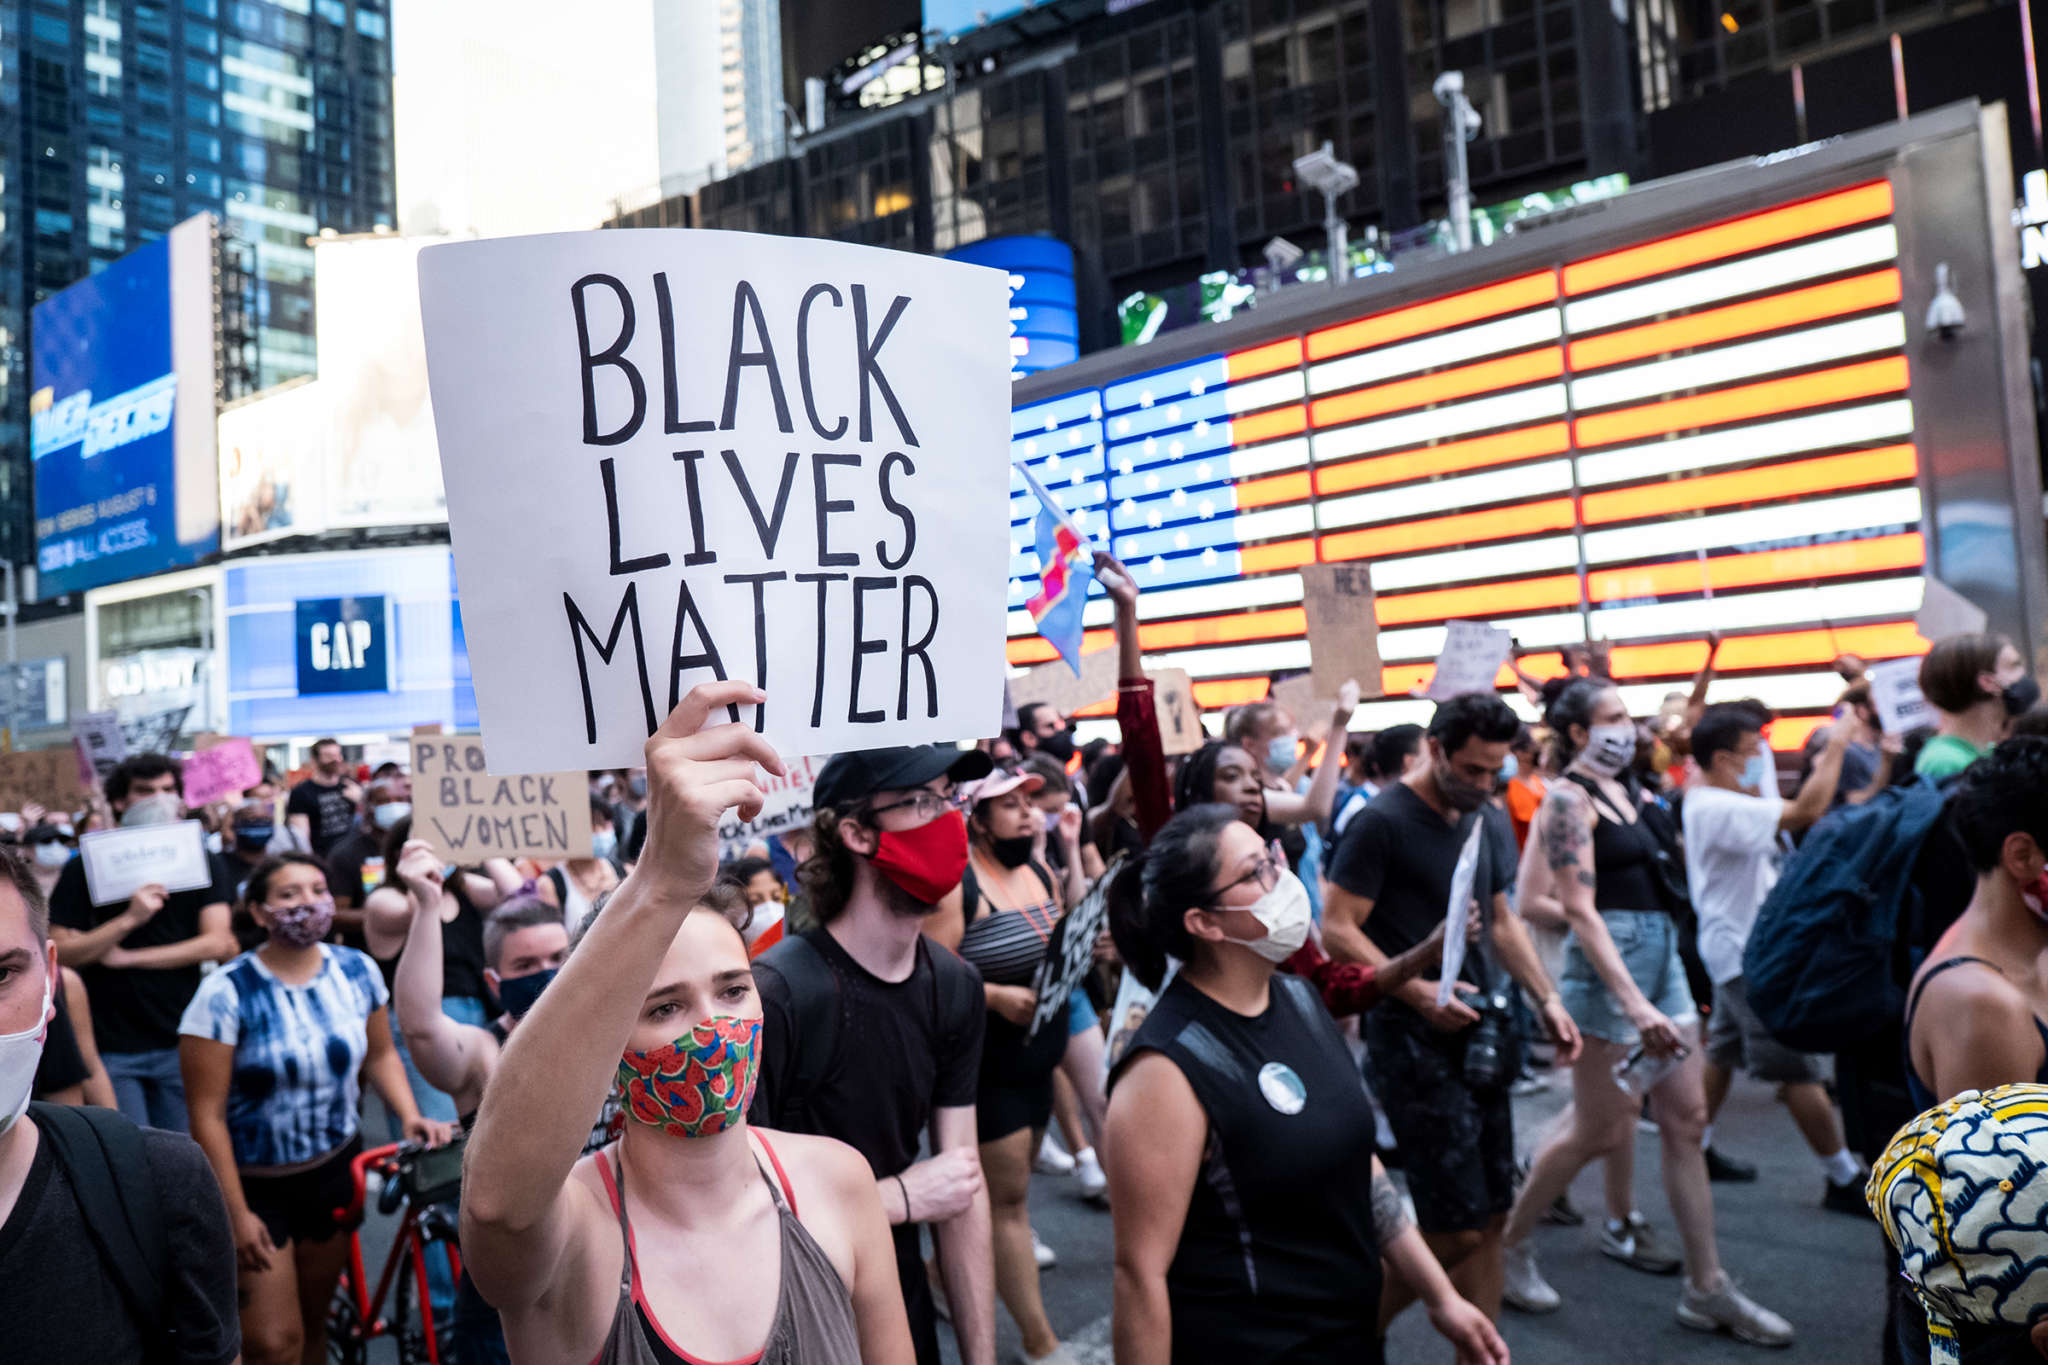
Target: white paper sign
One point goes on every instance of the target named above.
(1458, 914)
(1895, 692)
(100, 738)
(118, 862)
(788, 805)
(1471, 659)
(673, 456)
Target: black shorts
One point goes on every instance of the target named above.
(301, 1207)
(1457, 1144)
(1015, 1091)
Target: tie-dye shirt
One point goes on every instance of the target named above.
(299, 1052)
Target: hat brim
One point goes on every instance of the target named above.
(962, 765)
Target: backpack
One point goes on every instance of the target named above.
(1820, 968)
(102, 1154)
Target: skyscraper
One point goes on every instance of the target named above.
(750, 60)
(119, 118)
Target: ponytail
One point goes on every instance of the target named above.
(1152, 892)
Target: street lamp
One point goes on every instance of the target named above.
(1461, 125)
(1321, 170)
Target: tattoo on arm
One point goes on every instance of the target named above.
(1564, 829)
(1389, 1210)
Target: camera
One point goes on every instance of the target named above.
(1488, 1042)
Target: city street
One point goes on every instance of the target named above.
(1823, 1271)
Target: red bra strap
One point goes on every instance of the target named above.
(780, 1174)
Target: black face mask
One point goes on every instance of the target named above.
(2019, 697)
(1012, 852)
(1460, 795)
(1060, 744)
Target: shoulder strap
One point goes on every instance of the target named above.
(1913, 1001)
(787, 1197)
(814, 998)
(1602, 807)
(103, 1155)
(560, 881)
(1052, 892)
(970, 895)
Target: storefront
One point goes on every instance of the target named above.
(151, 646)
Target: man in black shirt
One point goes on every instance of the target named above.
(386, 801)
(64, 1303)
(1390, 885)
(140, 959)
(903, 1019)
(322, 809)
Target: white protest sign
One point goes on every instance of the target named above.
(119, 862)
(772, 459)
(1895, 692)
(788, 805)
(1944, 611)
(1472, 655)
(100, 739)
(1458, 914)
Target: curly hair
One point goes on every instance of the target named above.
(2003, 793)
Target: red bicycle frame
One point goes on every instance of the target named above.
(407, 1246)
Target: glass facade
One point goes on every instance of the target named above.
(123, 117)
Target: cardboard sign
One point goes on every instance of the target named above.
(469, 815)
(1471, 659)
(1180, 717)
(1298, 696)
(47, 777)
(1056, 685)
(1895, 693)
(774, 459)
(1944, 611)
(1070, 953)
(788, 806)
(119, 862)
(227, 768)
(101, 742)
(1343, 631)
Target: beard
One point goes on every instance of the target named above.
(898, 901)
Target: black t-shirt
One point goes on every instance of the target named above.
(330, 815)
(1278, 1257)
(62, 1303)
(62, 1065)
(1398, 853)
(136, 1009)
(345, 865)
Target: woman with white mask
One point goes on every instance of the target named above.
(1591, 848)
(1251, 1213)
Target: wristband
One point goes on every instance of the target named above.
(904, 1190)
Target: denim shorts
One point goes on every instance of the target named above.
(1648, 943)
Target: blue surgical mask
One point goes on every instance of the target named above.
(604, 843)
(1761, 772)
(1509, 768)
(390, 813)
(1281, 751)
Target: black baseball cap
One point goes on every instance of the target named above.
(855, 776)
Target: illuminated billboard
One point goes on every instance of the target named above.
(273, 466)
(121, 417)
(1702, 431)
(1045, 321)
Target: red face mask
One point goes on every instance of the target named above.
(927, 862)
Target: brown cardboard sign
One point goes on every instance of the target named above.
(1056, 685)
(469, 815)
(1343, 632)
(48, 777)
(1180, 718)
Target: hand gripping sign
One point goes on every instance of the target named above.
(675, 456)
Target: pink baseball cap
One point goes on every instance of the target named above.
(1001, 782)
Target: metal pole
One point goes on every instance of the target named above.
(1458, 124)
(12, 607)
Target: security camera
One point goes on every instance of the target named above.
(1281, 253)
(1945, 316)
(1449, 86)
(1321, 170)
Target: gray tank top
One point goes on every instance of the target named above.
(813, 1309)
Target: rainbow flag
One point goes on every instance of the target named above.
(1064, 573)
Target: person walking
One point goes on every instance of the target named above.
(1251, 1213)
(274, 1047)
(322, 809)
(1626, 990)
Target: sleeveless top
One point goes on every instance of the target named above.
(813, 1322)
(1624, 854)
(1278, 1258)
(1006, 945)
(1923, 1097)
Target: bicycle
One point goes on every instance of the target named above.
(424, 1182)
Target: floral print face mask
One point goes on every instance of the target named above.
(699, 1085)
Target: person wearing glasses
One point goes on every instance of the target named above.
(872, 1033)
(1251, 1213)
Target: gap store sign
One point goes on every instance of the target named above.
(361, 643)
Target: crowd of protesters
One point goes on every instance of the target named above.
(804, 1124)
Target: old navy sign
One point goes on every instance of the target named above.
(343, 645)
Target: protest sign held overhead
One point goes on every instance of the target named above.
(1068, 690)
(220, 770)
(469, 814)
(101, 743)
(1895, 694)
(1343, 631)
(765, 458)
(1470, 662)
(1180, 717)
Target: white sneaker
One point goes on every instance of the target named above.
(1094, 1184)
(1046, 1257)
(1725, 1308)
(1052, 1159)
(1523, 1285)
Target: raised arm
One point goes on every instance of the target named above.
(1818, 794)
(1696, 704)
(1137, 717)
(1889, 747)
(520, 1216)
(451, 1055)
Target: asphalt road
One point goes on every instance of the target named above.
(1823, 1271)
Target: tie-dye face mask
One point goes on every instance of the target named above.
(700, 1084)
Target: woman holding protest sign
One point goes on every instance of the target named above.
(695, 1227)
(1010, 904)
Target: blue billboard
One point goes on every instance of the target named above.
(121, 417)
(1045, 322)
(344, 644)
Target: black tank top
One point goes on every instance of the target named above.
(1278, 1259)
(1923, 1097)
(462, 951)
(1624, 856)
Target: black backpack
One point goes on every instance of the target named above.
(102, 1154)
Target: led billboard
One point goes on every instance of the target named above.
(121, 417)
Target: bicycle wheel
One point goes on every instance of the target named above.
(407, 1323)
(345, 1344)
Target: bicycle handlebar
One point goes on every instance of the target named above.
(385, 1159)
